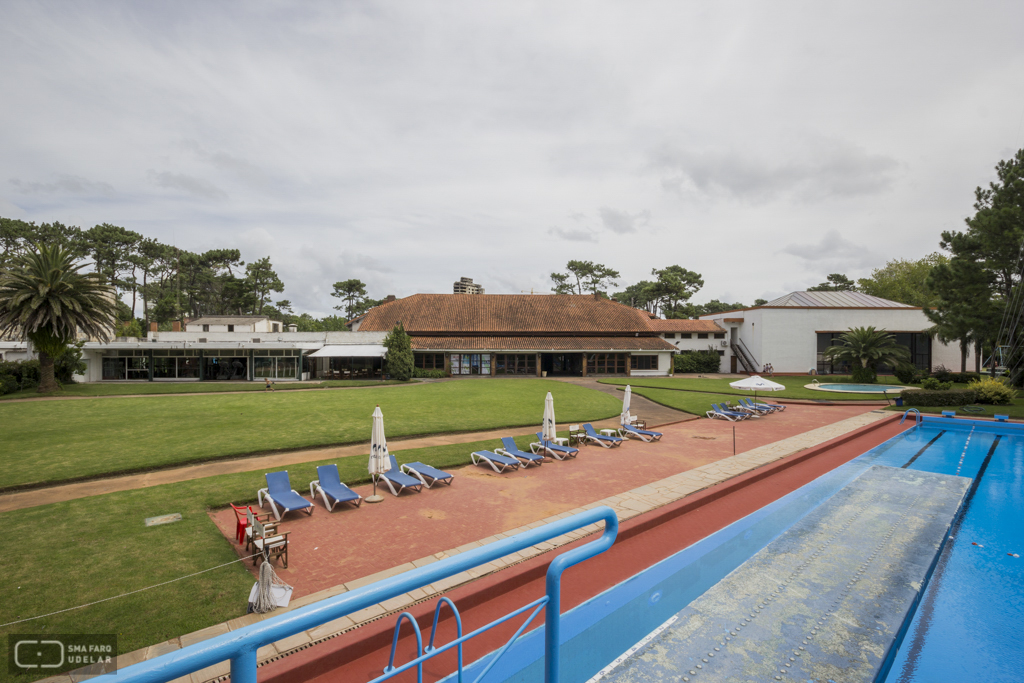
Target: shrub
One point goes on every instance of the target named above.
(992, 390)
(965, 377)
(399, 361)
(429, 374)
(697, 361)
(862, 375)
(68, 364)
(129, 328)
(906, 373)
(943, 374)
(8, 384)
(932, 384)
(24, 372)
(925, 398)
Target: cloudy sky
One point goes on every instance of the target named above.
(763, 145)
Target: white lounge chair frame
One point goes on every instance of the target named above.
(263, 493)
(499, 467)
(314, 488)
(412, 472)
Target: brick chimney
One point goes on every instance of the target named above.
(176, 326)
(389, 298)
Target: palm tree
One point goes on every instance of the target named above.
(865, 348)
(45, 297)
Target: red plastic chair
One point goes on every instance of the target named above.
(242, 522)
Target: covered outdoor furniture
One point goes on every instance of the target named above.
(331, 489)
(251, 518)
(268, 543)
(577, 435)
(741, 408)
(426, 474)
(395, 477)
(601, 439)
(283, 498)
(722, 414)
(642, 434)
(555, 450)
(499, 463)
(510, 449)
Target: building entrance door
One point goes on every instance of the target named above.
(562, 364)
(732, 364)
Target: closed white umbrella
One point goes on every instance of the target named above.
(548, 432)
(627, 395)
(757, 383)
(380, 459)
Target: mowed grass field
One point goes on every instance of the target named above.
(794, 386)
(692, 402)
(66, 554)
(150, 388)
(53, 441)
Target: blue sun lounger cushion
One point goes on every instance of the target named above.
(555, 450)
(283, 498)
(395, 477)
(601, 439)
(330, 488)
(427, 474)
(510, 448)
(498, 462)
(642, 434)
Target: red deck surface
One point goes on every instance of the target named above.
(330, 548)
(359, 655)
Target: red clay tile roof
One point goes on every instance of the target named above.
(686, 326)
(470, 314)
(540, 343)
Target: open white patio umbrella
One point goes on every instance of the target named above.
(548, 432)
(380, 459)
(757, 383)
(626, 397)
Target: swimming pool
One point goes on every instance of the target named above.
(965, 627)
(857, 388)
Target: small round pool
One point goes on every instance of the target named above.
(858, 388)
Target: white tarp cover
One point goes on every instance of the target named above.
(350, 351)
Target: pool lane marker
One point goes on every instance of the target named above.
(960, 464)
(926, 447)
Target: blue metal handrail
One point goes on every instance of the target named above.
(917, 416)
(240, 646)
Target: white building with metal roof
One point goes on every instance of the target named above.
(792, 332)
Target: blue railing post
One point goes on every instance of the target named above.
(553, 610)
(243, 666)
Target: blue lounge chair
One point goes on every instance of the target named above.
(722, 414)
(330, 488)
(427, 474)
(601, 439)
(755, 408)
(396, 477)
(556, 451)
(283, 498)
(510, 449)
(642, 434)
(774, 406)
(499, 463)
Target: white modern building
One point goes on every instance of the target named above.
(792, 332)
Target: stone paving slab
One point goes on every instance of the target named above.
(823, 602)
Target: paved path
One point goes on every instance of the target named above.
(646, 409)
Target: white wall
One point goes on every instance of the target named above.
(664, 364)
(787, 337)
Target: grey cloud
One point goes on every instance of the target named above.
(245, 171)
(190, 184)
(571, 235)
(814, 171)
(833, 247)
(71, 184)
(621, 222)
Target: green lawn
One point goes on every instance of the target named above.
(51, 441)
(191, 388)
(66, 554)
(794, 386)
(687, 401)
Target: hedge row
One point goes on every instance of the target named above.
(925, 398)
(697, 361)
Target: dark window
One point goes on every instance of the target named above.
(606, 364)
(429, 361)
(516, 364)
(206, 328)
(719, 335)
(670, 335)
(231, 328)
(688, 335)
(702, 335)
(721, 353)
(643, 362)
(918, 343)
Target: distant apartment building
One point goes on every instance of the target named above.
(465, 286)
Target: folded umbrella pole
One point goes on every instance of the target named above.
(380, 459)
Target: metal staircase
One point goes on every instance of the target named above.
(747, 360)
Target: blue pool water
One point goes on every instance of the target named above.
(861, 388)
(966, 626)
